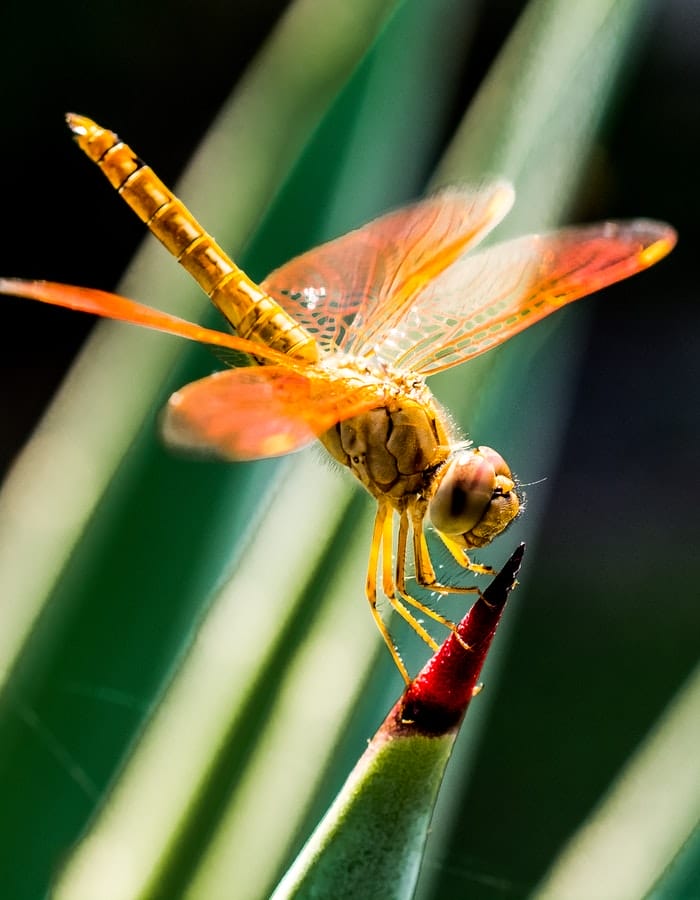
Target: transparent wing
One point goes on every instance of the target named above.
(252, 413)
(486, 298)
(344, 291)
(112, 306)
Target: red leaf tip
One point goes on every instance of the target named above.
(437, 698)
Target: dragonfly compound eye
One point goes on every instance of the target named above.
(476, 497)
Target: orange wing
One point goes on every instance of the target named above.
(112, 306)
(245, 413)
(484, 299)
(252, 413)
(346, 291)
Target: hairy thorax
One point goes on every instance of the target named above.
(395, 448)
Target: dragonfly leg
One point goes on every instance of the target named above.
(425, 573)
(461, 557)
(390, 588)
(401, 578)
(382, 524)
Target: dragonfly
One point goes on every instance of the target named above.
(341, 339)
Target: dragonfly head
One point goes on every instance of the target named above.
(475, 499)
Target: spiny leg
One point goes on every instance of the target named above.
(380, 523)
(390, 591)
(461, 557)
(425, 573)
(401, 549)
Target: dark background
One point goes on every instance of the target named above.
(625, 498)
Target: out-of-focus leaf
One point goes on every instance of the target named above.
(680, 879)
(629, 845)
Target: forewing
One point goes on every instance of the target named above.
(253, 413)
(488, 297)
(112, 306)
(344, 291)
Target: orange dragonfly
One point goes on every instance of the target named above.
(344, 337)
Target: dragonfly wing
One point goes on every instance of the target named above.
(112, 306)
(343, 291)
(253, 413)
(486, 298)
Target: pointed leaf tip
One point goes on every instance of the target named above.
(437, 698)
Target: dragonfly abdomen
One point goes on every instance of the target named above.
(249, 309)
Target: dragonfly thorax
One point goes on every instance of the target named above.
(395, 449)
